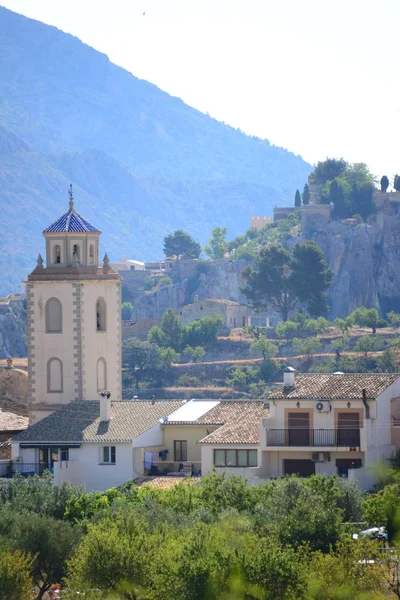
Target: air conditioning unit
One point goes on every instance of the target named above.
(318, 457)
(323, 407)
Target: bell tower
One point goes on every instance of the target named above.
(74, 319)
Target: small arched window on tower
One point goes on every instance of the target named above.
(54, 375)
(75, 253)
(57, 254)
(53, 316)
(101, 375)
(100, 315)
(91, 254)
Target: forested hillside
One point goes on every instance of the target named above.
(142, 162)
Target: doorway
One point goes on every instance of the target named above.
(348, 429)
(299, 429)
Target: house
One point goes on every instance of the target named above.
(186, 435)
(89, 442)
(127, 264)
(233, 313)
(332, 424)
(104, 444)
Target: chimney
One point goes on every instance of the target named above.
(105, 406)
(288, 377)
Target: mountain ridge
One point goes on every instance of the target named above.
(142, 162)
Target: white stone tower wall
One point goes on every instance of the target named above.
(101, 344)
(43, 346)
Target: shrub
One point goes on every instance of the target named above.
(188, 381)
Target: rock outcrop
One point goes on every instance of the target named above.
(365, 259)
(12, 328)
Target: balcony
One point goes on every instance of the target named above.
(322, 438)
(174, 469)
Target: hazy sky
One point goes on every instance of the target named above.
(319, 77)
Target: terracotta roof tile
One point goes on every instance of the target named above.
(79, 421)
(241, 422)
(326, 386)
(166, 483)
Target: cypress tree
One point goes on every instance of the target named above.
(384, 183)
(306, 195)
(297, 199)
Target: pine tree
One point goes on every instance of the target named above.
(306, 195)
(297, 199)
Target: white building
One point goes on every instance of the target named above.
(74, 319)
(127, 264)
(332, 424)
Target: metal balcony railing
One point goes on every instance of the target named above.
(23, 468)
(337, 438)
(174, 468)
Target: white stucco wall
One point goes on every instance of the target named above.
(378, 431)
(52, 345)
(272, 464)
(101, 344)
(95, 476)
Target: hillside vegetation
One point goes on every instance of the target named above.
(142, 162)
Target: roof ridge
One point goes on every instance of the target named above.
(68, 218)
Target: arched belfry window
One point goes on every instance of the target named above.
(54, 375)
(57, 255)
(100, 315)
(91, 254)
(75, 253)
(101, 375)
(53, 316)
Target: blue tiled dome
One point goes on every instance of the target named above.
(71, 221)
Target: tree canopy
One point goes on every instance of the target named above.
(297, 199)
(217, 245)
(181, 245)
(139, 357)
(282, 280)
(349, 187)
(306, 195)
(384, 183)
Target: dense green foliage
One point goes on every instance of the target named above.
(15, 575)
(367, 318)
(141, 161)
(217, 245)
(141, 358)
(348, 187)
(126, 311)
(281, 280)
(173, 334)
(283, 540)
(181, 245)
(297, 199)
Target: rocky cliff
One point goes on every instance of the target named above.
(12, 328)
(217, 279)
(365, 259)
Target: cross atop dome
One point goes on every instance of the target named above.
(71, 221)
(71, 197)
